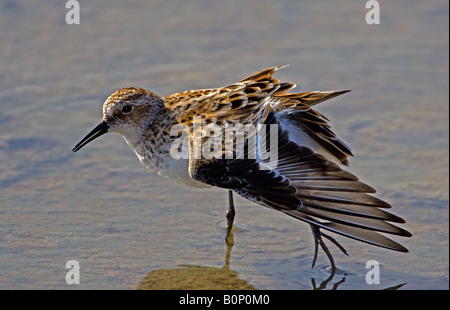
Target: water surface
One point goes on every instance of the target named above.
(125, 225)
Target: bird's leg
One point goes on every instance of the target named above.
(316, 245)
(230, 213)
(318, 241)
(335, 243)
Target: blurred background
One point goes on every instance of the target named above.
(129, 228)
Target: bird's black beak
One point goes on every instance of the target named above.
(101, 129)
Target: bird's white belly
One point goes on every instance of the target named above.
(178, 171)
(173, 169)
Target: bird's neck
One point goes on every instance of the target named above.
(152, 143)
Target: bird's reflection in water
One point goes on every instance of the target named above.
(230, 242)
(191, 277)
(324, 283)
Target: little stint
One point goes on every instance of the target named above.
(305, 181)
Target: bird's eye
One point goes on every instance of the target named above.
(127, 109)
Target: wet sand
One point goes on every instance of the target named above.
(125, 225)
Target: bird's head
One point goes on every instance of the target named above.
(127, 112)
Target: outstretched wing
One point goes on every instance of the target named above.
(304, 184)
(307, 186)
(243, 102)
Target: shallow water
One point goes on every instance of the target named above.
(125, 225)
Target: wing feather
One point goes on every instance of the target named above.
(304, 184)
(307, 186)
